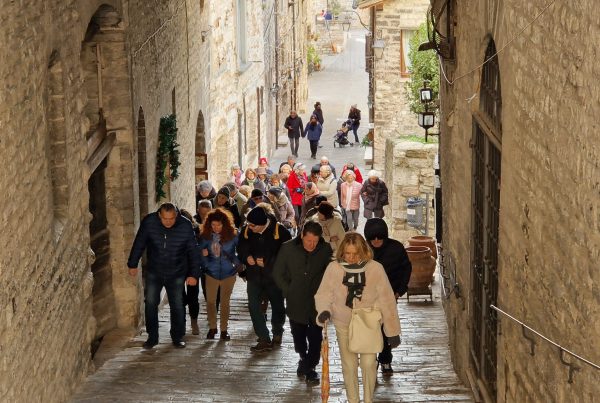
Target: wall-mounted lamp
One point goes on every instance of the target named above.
(378, 47)
(427, 118)
(426, 93)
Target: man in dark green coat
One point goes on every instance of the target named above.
(298, 272)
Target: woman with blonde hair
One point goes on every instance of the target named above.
(355, 280)
(218, 242)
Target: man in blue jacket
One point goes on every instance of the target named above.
(313, 131)
(173, 259)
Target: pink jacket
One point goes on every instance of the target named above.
(354, 195)
(331, 296)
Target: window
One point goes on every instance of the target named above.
(405, 37)
(241, 35)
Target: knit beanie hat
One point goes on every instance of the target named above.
(224, 191)
(257, 216)
(261, 171)
(275, 191)
(256, 193)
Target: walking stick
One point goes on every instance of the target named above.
(325, 369)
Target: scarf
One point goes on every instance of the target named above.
(354, 280)
(215, 245)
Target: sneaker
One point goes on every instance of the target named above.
(225, 336)
(262, 345)
(386, 369)
(211, 334)
(312, 378)
(179, 343)
(276, 340)
(148, 344)
(301, 371)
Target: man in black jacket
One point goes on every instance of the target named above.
(173, 259)
(394, 259)
(298, 272)
(354, 115)
(259, 243)
(295, 128)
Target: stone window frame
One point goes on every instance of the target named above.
(404, 72)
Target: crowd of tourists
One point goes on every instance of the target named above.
(290, 233)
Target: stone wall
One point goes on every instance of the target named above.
(409, 172)
(392, 115)
(549, 224)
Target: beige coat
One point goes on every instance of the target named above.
(331, 296)
(332, 227)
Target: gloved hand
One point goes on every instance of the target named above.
(325, 316)
(393, 341)
(299, 190)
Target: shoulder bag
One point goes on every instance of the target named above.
(364, 332)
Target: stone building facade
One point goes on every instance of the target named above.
(81, 104)
(393, 21)
(519, 170)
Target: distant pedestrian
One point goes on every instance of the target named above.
(295, 184)
(350, 199)
(333, 230)
(263, 162)
(282, 204)
(325, 161)
(252, 180)
(224, 201)
(173, 259)
(313, 133)
(205, 191)
(318, 112)
(350, 166)
(236, 196)
(311, 191)
(394, 259)
(235, 175)
(259, 243)
(298, 271)
(291, 161)
(374, 194)
(328, 185)
(354, 115)
(295, 128)
(218, 244)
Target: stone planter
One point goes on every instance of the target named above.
(422, 240)
(423, 266)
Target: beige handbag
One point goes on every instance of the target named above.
(364, 332)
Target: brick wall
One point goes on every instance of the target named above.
(549, 238)
(392, 115)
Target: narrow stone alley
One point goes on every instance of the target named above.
(216, 371)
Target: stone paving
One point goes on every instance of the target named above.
(216, 371)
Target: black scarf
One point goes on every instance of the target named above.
(355, 280)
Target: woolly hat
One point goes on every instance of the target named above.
(261, 171)
(376, 228)
(256, 193)
(257, 216)
(374, 174)
(275, 191)
(224, 191)
(263, 160)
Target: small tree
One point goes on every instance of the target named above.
(424, 66)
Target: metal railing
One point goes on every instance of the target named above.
(561, 350)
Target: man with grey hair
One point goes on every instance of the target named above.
(325, 161)
(295, 128)
(234, 193)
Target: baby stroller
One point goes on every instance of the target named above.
(341, 136)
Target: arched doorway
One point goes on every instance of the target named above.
(201, 165)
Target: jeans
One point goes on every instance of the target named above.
(154, 283)
(307, 343)
(352, 219)
(355, 130)
(297, 212)
(314, 145)
(385, 357)
(294, 143)
(255, 290)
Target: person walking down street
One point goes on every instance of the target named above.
(218, 243)
(204, 207)
(224, 201)
(295, 184)
(355, 280)
(263, 178)
(311, 191)
(350, 166)
(191, 292)
(253, 181)
(312, 132)
(394, 259)
(284, 206)
(173, 259)
(295, 128)
(263, 162)
(257, 197)
(235, 175)
(328, 185)
(333, 230)
(238, 198)
(291, 161)
(259, 242)
(298, 271)
(205, 191)
(275, 181)
(318, 112)
(354, 115)
(325, 161)
(374, 194)
(350, 199)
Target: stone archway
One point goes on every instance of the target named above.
(109, 132)
(201, 164)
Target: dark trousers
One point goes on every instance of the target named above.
(355, 130)
(385, 357)
(307, 343)
(294, 143)
(314, 145)
(154, 283)
(191, 293)
(256, 290)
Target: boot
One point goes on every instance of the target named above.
(195, 329)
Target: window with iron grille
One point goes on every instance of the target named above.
(487, 158)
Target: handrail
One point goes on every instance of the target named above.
(561, 349)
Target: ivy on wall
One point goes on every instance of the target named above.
(167, 156)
